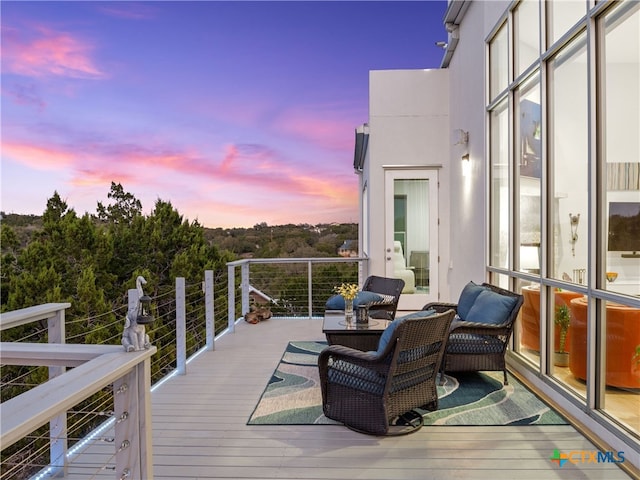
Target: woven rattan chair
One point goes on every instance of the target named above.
(478, 347)
(385, 286)
(368, 390)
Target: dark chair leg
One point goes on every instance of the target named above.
(506, 382)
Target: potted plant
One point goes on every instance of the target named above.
(635, 362)
(562, 321)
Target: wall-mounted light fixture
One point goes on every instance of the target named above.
(466, 165)
(460, 137)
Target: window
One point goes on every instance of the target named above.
(499, 234)
(499, 61)
(569, 155)
(527, 25)
(561, 16)
(530, 170)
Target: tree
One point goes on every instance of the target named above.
(125, 208)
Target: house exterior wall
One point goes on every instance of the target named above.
(467, 112)
(409, 126)
(414, 117)
(469, 202)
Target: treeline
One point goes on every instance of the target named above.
(91, 261)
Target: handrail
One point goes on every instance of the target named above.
(298, 260)
(16, 318)
(95, 367)
(106, 364)
(245, 266)
(30, 410)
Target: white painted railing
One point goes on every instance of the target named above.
(98, 366)
(247, 280)
(95, 367)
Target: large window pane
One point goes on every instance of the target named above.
(568, 147)
(499, 240)
(621, 209)
(561, 16)
(620, 96)
(527, 25)
(622, 363)
(498, 62)
(530, 168)
(411, 232)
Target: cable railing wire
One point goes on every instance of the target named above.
(285, 285)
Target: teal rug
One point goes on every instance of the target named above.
(293, 397)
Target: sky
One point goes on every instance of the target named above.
(236, 112)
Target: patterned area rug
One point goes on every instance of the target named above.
(293, 397)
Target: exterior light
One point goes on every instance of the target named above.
(466, 165)
(144, 316)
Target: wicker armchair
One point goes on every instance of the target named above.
(475, 346)
(367, 390)
(385, 286)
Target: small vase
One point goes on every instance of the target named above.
(348, 309)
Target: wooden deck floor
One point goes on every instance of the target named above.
(200, 431)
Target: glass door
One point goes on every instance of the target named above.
(411, 239)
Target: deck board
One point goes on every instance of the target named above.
(200, 431)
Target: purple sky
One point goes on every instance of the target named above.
(235, 112)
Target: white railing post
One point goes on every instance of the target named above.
(132, 412)
(310, 288)
(181, 327)
(231, 292)
(209, 307)
(245, 287)
(58, 444)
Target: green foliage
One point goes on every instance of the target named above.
(563, 320)
(91, 262)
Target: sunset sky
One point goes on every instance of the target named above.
(236, 112)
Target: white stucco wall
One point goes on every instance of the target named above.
(467, 112)
(409, 126)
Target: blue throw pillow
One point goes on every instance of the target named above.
(467, 298)
(388, 332)
(491, 308)
(366, 298)
(336, 302)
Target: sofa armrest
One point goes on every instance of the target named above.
(441, 307)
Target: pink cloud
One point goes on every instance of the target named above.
(47, 53)
(321, 125)
(39, 157)
(247, 170)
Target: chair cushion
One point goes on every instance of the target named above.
(468, 296)
(336, 302)
(491, 308)
(388, 332)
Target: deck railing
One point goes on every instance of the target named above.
(295, 287)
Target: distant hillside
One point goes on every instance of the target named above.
(259, 241)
